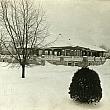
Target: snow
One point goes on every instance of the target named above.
(61, 42)
(46, 88)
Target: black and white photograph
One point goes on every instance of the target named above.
(54, 54)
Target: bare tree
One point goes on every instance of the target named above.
(22, 27)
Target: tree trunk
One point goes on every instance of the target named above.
(23, 71)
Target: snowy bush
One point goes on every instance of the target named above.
(85, 86)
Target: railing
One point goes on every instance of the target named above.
(74, 58)
(60, 59)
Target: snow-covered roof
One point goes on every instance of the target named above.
(61, 42)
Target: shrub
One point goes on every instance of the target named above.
(85, 86)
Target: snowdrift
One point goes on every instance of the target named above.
(46, 88)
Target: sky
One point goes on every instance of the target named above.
(85, 21)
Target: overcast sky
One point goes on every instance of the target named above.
(80, 20)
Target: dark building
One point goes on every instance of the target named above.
(65, 53)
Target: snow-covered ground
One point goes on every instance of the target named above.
(46, 88)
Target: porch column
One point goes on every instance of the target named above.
(91, 54)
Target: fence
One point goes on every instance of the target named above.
(63, 60)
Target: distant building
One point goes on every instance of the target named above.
(64, 52)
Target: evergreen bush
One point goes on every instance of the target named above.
(85, 86)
